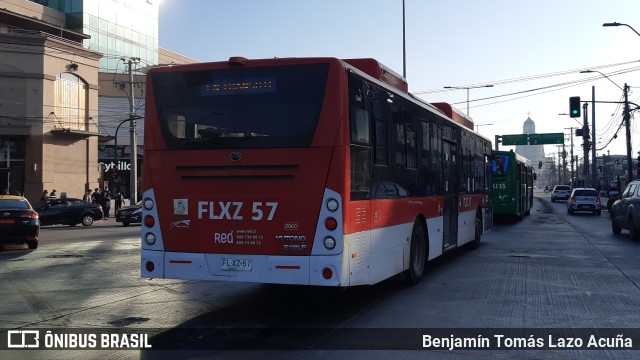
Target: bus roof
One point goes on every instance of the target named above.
(378, 71)
(454, 114)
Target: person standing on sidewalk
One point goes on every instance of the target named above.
(106, 196)
(87, 196)
(119, 201)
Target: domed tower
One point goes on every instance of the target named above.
(529, 127)
(535, 153)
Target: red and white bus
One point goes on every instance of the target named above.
(308, 171)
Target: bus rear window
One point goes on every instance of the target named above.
(499, 165)
(244, 108)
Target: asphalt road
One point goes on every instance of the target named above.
(550, 270)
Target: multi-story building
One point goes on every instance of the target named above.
(63, 89)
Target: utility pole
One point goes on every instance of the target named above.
(564, 164)
(594, 170)
(572, 160)
(585, 145)
(627, 123)
(133, 174)
(571, 156)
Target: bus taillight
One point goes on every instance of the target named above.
(150, 238)
(331, 224)
(148, 203)
(149, 221)
(332, 205)
(149, 266)
(327, 273)
(329, 243)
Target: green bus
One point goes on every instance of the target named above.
(513, 177)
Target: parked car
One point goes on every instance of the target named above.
(560, 192)
(130, 214)
(68, 211)
(625, 212)
(19, 223)
(613, 196)
(584, 199)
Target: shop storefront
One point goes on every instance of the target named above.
(12, 155)
(116, 176)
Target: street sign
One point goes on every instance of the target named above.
(550, 138)
(517, 139)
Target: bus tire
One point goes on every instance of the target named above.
(418, 253)
(478, 230)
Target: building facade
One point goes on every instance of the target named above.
(48, 103)
(64, 81)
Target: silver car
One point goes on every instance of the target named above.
(584, 199)
(560, 192)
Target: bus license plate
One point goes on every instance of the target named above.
(236, 264)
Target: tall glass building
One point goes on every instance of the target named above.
(118, 28)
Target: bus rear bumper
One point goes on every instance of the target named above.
(294, 270)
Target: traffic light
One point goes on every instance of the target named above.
(574, 106)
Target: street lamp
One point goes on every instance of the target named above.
(605, 76)
(619, 24)
(576, 120)
(467, 88)
(116, 150)
(404, 46)
(477, 126)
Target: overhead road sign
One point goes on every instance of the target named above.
(549, 138)
(516, 139)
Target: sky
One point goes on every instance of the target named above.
(532, 52)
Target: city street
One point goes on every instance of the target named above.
(550, 270)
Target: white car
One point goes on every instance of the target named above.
(584, 199)
(560, 192)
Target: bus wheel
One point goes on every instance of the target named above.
(418, 255)
(478, 232)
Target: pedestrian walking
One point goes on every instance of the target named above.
(53, 195)
(45, 196)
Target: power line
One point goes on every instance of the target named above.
(528, 78)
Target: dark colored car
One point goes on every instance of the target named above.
(19, 223)
(625, 213)
(68, 211)
(613, 196)
(130, 214)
